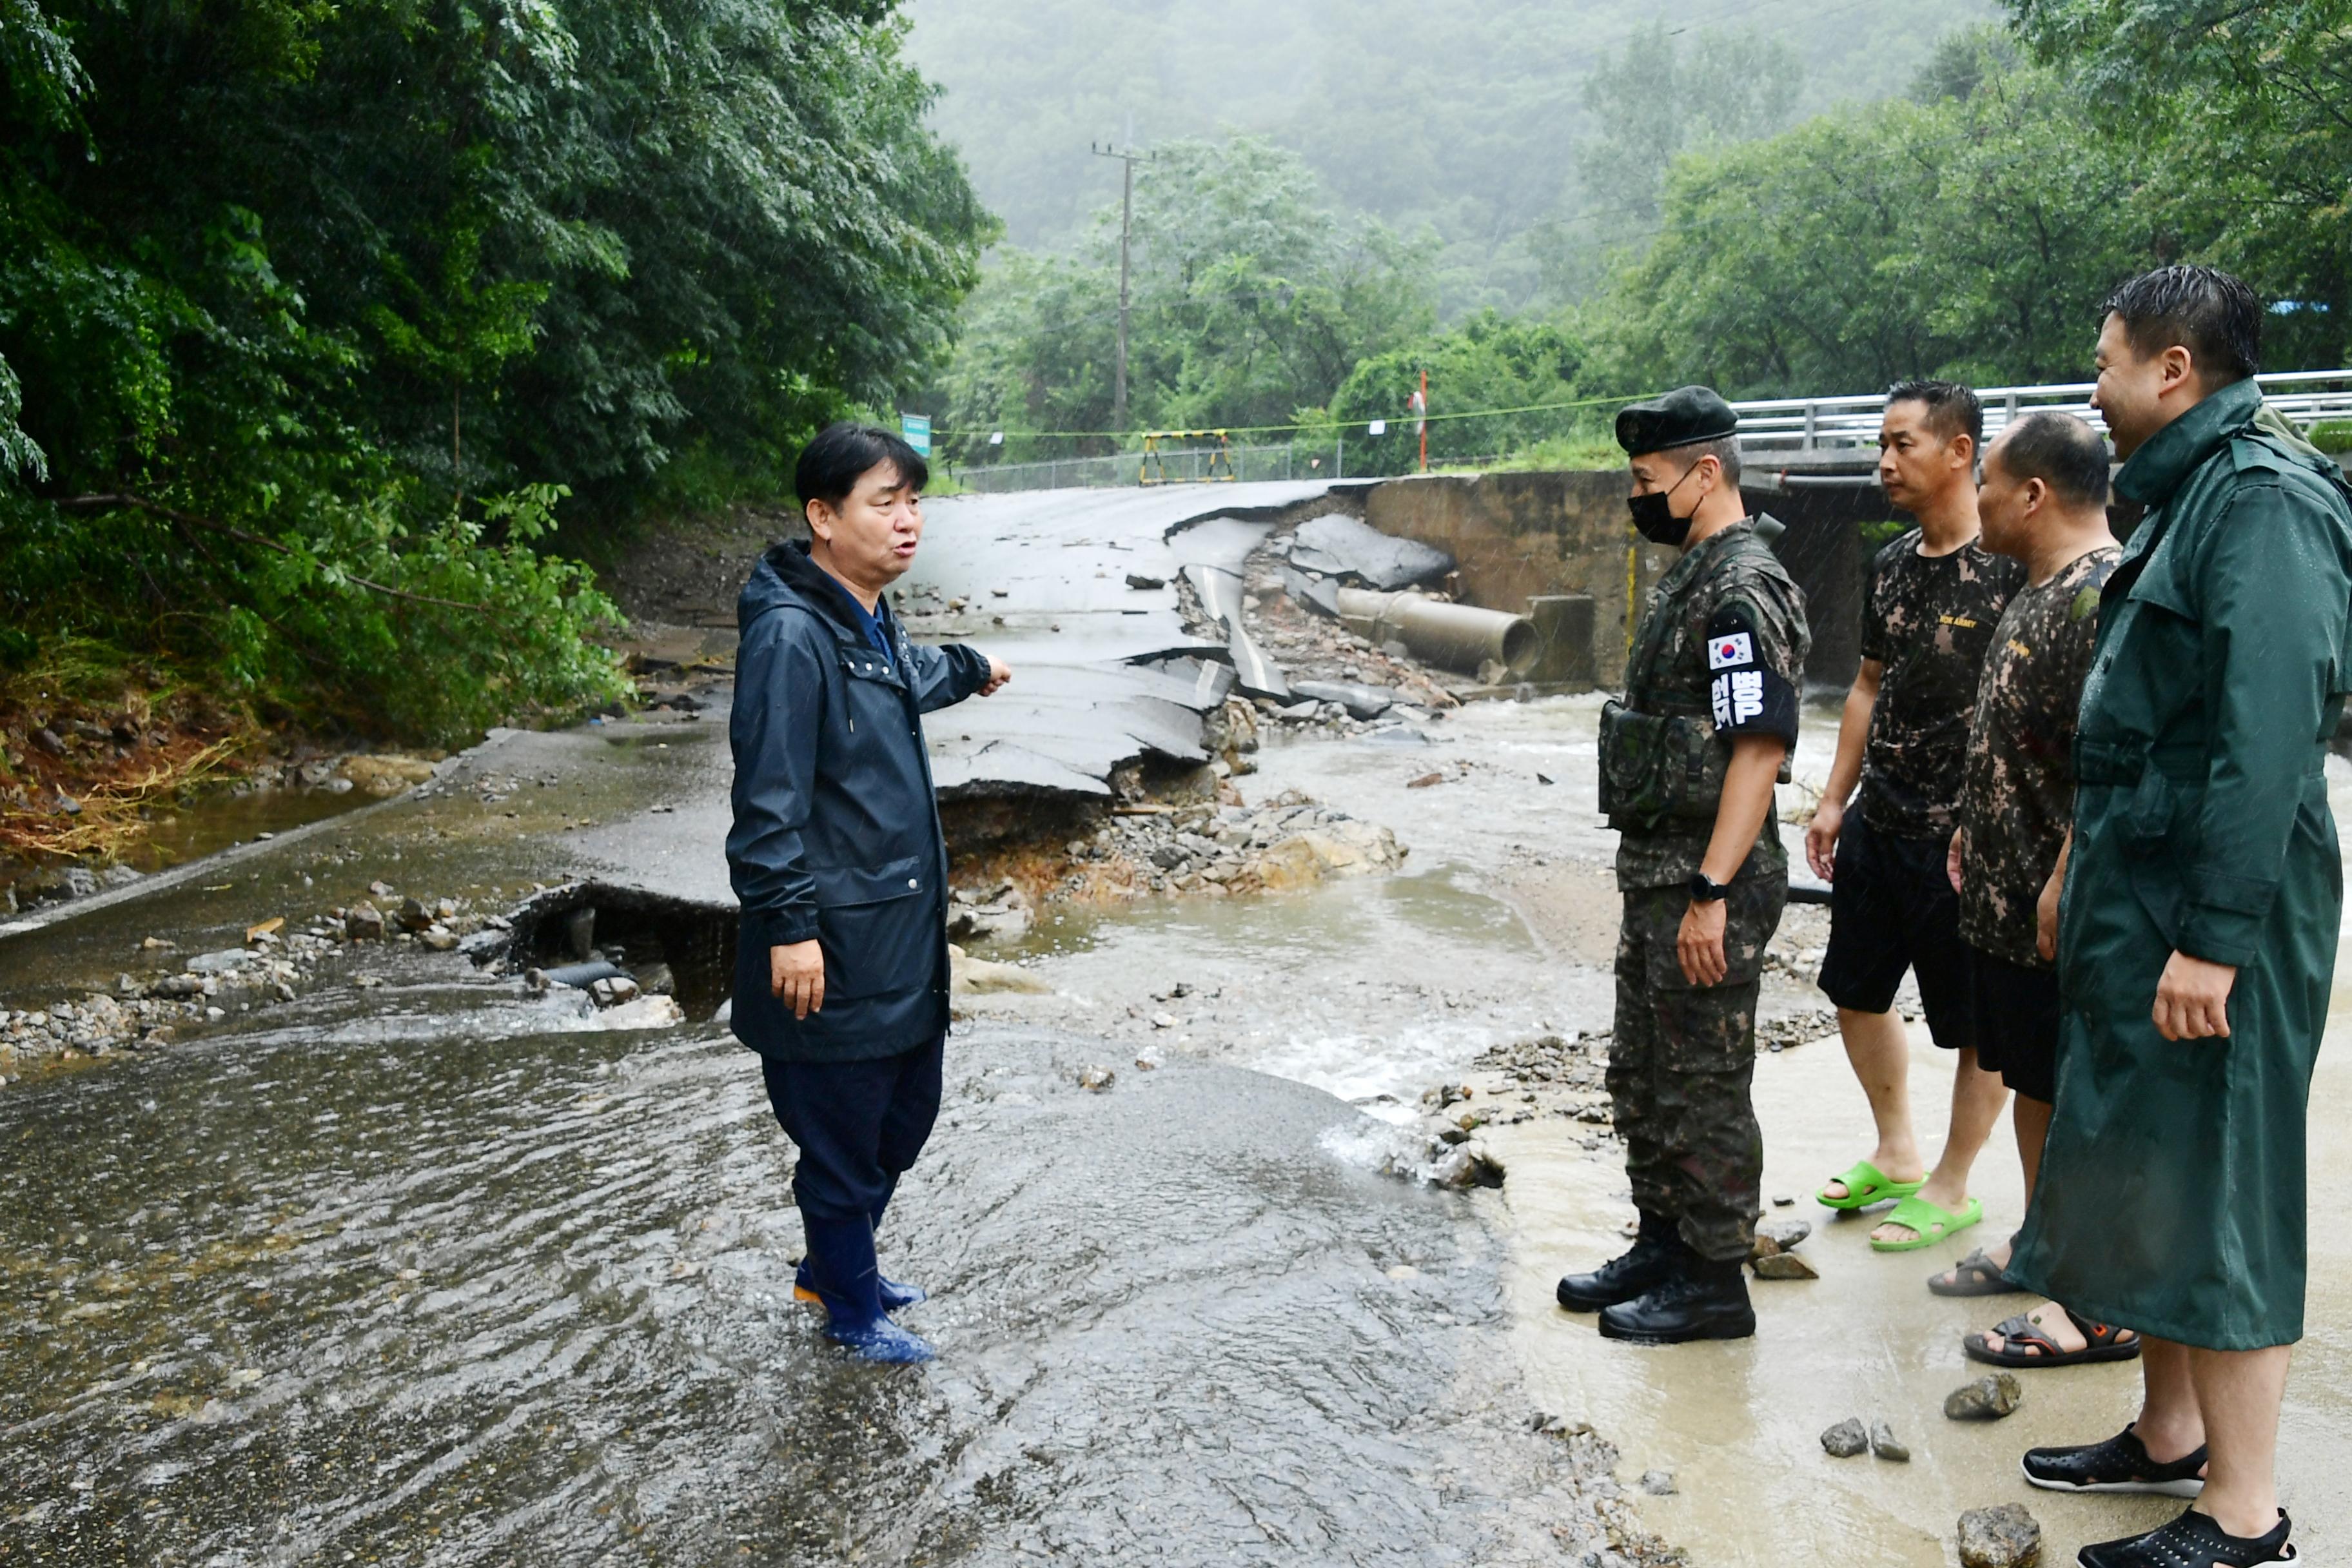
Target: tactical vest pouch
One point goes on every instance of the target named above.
(1656, 768)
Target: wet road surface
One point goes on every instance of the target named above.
(425, 1275)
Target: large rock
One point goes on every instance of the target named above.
(1344, 848)
(386, 775)
(1987, 1398)
(2003, 1537)
(1846, 1439)
(1784, 1266)
(972, 976)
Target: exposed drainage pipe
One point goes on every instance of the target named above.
(1456, 637)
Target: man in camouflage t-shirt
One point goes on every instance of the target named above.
(1935, 594)
(2043, 503)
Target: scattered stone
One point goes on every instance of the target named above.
(1140, 580)
(437, 937)
(364, 922)
(1096, 1079)
(1781, 1200)
(413, 916)
(1846, 1439)
(614, 990)
(1783, 1234)
(380, 889)
(1883, 1443)
(50, 741)
(1988, 1398)
(1424, 781)
(179, 985)
(1785, 1266)
(2003, 1537)
(1469, 1164)
(220, 962)
(1658, 1483)
(157, 944)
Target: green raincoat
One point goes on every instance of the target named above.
(2171, 1195)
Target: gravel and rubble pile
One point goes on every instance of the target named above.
(1286, 842)
(276, 964)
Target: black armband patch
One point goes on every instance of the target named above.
(1746, 695)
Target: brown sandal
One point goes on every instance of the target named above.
(2024, 1345)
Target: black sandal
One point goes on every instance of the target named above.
(1975, 1275)
(2101, 1341)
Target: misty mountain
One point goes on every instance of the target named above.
(1469, 117)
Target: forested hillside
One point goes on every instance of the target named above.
(1967, 226)
(315, 320)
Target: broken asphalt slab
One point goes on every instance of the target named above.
(1105, 670)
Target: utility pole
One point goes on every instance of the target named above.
(1129, 157)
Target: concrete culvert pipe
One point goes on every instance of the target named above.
(1453, 637)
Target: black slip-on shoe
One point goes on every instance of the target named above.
(2193, 1541)
(1707, 1302)
(2119, 1465)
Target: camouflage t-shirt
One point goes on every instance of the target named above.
(1928, 620)
(2019, 794)
(1728, 594)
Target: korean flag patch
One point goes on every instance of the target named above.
(1730, 648)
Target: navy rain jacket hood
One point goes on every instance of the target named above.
(836, 834)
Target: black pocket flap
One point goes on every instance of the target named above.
(840, 887)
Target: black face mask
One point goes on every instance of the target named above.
(1653, 518)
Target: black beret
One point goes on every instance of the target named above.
(1686, 415)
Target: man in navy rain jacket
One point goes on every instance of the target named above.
(837, 856)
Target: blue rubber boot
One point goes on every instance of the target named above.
(840, 1265)
(895, 1297)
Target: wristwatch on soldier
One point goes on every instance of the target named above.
(1704, 890)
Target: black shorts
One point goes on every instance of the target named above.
(1892, 909)
(2017, 1026)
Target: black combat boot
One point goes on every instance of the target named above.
(1657, 1256)
(1704, 1300)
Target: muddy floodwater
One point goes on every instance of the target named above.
(421, 1269)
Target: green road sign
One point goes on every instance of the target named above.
(917, 429)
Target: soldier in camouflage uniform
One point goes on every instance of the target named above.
(1687, 765)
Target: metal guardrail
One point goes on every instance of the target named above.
(1783, 425)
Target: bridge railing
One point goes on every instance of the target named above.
(1784, 424)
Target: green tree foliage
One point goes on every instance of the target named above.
(1971, 235)
(2248, 112)
(1489, 362)
(1249, 300)
(311, 314)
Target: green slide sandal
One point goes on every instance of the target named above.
(1866, 1185)
(1928, 1223)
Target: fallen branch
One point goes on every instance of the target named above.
(190, 520)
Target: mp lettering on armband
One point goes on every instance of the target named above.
(1746, 696)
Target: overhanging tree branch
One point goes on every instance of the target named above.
(245, 536)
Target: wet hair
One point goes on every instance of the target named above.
(1952, 409)
(1723, 449)
(844, 453)
(2060, 451)
(2201, 309)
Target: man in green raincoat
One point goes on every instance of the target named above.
(2196, 938)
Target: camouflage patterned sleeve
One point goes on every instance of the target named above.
(1752, 664)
